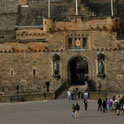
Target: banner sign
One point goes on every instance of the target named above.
(78, 50)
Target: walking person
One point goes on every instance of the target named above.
(99, 102)
(73, 93)
(73, 110)
(77, 109)
(104, 106)
(69, 94)
(116, 105)
(85, 104)
(122, 103)
(76, 93)
(109, 104)
(118, 109)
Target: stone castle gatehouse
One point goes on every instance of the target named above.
(74, 51)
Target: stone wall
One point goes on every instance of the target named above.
(8, 6)
(19, 71)
(30, 67)
(8, 18)
(7, 21)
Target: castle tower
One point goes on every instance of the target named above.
(23, 2)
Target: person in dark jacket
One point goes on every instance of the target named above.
(85, 104)
(77, 109)
(99, 102)
(122, 102)
(104, 106)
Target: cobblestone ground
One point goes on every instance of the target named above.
(55, 112)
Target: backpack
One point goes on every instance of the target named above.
(77, 107)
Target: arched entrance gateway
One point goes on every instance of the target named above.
(78, 72)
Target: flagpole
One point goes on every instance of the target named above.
(76, 7)
(48, 8)
(112, 13)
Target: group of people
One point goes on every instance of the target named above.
(110, 104)
(76, 108)
(116, 103)
(74, 94)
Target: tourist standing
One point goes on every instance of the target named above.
(104, 106)
(69, 94)
(109, 104)
(76, 93)
(99, 102)
(73, 110)
(122, 103)
(72, 93)
(116, 105)
(118, 109)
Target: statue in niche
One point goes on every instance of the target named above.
(56, 68)
(101, 72)
(56, 60)
(100, 67)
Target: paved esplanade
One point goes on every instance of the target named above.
(54, 112)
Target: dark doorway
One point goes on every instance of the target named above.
(78, 68)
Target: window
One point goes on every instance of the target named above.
(77, 41)
(34, 72)
(70, 43)
(84, 42)
(11, 73)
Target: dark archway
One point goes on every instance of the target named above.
(78, 71)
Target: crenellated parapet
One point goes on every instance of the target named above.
(23, 34)
(77, 24)
(108, 24)
(18, 47)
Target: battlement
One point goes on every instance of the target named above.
(32, 33)
(18, 47)
(109, 24)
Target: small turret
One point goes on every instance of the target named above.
(23, 2)
(112, 24)
(48, 25)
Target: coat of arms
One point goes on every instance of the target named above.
(78, 43)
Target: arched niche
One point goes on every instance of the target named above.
(56, 66)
